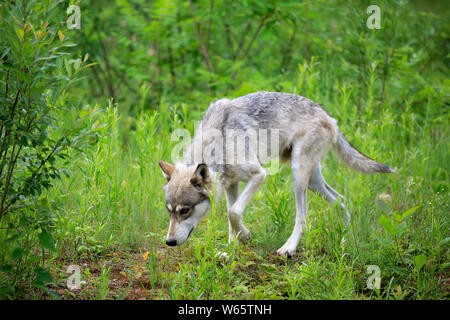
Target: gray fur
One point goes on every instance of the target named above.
(306, 132)
(356, 160)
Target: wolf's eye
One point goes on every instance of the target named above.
(184, 211)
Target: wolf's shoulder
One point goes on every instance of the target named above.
(217, 110)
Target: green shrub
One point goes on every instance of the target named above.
(35, 71)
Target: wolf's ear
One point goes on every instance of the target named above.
(200, 176)
(167, 169)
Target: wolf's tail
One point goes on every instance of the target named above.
(355, 159)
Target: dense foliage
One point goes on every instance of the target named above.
(86, 111)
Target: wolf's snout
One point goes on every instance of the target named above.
(171, 242)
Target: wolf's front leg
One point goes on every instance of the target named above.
(231, 193)
(237, 208)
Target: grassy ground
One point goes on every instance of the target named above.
(388, 88)
(112, 221)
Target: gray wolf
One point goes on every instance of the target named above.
(305, 132)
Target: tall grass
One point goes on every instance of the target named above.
(113, 203)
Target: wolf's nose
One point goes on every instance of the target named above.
(171, 242)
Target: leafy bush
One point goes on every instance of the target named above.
(35, 71)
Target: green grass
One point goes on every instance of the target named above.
(113, 203)
(388, 89)
(109, 214)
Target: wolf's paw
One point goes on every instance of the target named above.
(222, 256)
(245, 236)
(285, 251)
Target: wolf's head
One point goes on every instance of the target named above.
(187, 198)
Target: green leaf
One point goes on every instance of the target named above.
(53, 293)
(400, 270)
(444, 266)
(46, 240)
(387, 224)
(400, 228)
(444, 242)
(12, 238)
(419, 261)
(20, 33)
(17, 254)
(409, 211)
(5, 292)
(383, 241)
(68, 67)
(6, 268)
(43, 276)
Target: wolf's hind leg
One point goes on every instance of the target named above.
(318, 184)
(304, 159)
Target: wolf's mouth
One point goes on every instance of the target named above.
(192, 229)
